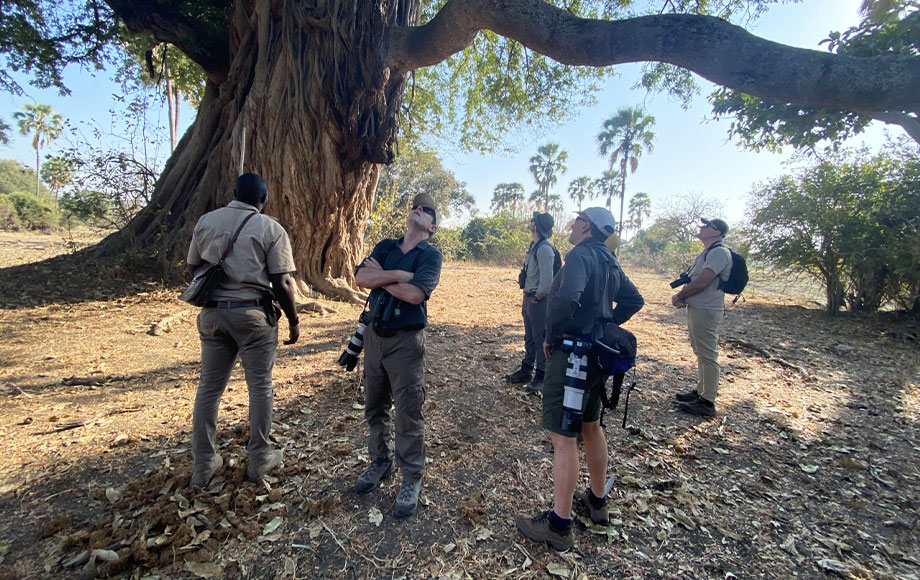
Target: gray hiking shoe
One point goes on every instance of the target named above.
(536, 385)
(202, 477)
(407, 498)
(257, 469)
(537, 529)
(687, 397)
(368, 480)
(599, 515)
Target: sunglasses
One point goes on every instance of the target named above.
(427, 210)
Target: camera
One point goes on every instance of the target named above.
(576, 375)
(349, 357)
(684, 279)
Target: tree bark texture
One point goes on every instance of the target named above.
(319, 106)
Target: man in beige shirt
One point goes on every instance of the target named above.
(241, 320)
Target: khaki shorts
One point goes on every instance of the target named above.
(554, 393)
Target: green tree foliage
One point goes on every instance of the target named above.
(508, 199)
(546, 166)
(624, 137)
(640, 207)
(888, 27)
(4, 133)
(608, 185)
(497, 240)
(44, 125)
(57, 173)
(31, 213)
(580, 189)
(851, 221)
(415, 172)
(95, 208)
(17, 178)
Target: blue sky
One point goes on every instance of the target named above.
(690, 155)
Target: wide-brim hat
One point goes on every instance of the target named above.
(544, 223)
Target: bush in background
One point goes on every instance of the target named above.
(32, 213)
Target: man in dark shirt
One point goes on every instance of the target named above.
(402, 275)
(581, 297)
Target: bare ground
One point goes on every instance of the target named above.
(810, 470)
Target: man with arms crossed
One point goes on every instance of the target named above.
(402, 275)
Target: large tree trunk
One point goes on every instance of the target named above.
(320, 112)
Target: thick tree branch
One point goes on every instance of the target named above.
(909, 123)
(204, 38)
(719, 51)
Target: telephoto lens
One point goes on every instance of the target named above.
(349, 357)
(576, 375)
(684, 279)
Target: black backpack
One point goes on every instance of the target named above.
(557, 258)
(737, 277)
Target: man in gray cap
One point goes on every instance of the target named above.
(535, 279)
(581, 297)
(401, 274)
(705, 304)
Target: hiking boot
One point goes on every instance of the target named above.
(687, 397)
(599, 513)
(407, 498)
(202, 477)
(520, 376)
(699, 407)
(257, 469)
(536, 385)
(379, 469)
(538, 530)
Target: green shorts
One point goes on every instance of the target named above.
(554, 393)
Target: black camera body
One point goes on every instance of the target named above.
(349, 357)
(683, 279)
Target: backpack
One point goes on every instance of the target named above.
(737, 277)
(557, 258)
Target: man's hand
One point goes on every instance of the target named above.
(371, 264)
(678, 302)
(547, 350)
(537, 297)
(293, 331)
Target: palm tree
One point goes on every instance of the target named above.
(623, 137)
(608, 184)
(4, 133)
(46, 126)
(639, 205)
(580, 189)
(546, 166)
(507, 197)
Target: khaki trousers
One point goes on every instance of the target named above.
(224, 334)
(394, 375)
(704, 338)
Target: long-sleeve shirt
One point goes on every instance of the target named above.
(579, 299)
(539, 265)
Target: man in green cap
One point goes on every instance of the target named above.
(401, 274)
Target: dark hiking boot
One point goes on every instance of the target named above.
(202, 477)
(598, 512)
(407, 498)
(259, 468)
(699, 407)
(687, 397)
(538, 529)
(536, 385)
(368, 480)
(520, 376)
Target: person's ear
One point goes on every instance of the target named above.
(432, 229)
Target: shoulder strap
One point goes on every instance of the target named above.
(235, 236)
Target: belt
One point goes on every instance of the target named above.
(390, 332)
(529, 292)
(231, 304)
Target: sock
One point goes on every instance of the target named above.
(595, 501)
(559, 525)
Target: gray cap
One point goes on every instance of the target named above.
(716, 224)
(600, 218)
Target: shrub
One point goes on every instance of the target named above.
(498, 240)
(34, 213)
(9, 217)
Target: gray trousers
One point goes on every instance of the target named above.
(534, 314)
(394, 376)
(224, 334)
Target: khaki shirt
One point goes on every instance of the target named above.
(262, 248)
(719, 260)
